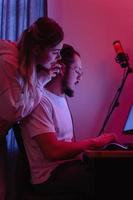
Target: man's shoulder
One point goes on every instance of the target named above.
(45, 102)
(45, 97)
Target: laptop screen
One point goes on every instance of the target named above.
(128, 128)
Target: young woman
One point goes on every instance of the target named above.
(25, 67)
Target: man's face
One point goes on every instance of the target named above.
(73, 77)
(48, 57)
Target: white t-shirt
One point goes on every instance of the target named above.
(51, 115)
(12, 102)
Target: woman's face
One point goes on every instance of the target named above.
(48, 57)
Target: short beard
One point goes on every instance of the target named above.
(65, 88)
(68, 91)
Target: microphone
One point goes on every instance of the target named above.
(121, 57)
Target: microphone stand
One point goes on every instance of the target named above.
(115, 102)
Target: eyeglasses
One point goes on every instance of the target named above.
(78, 71)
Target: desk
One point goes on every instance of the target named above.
(113, 174)
(110, 154)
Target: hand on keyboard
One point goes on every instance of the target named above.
(102, 140)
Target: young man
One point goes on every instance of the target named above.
(54, 160)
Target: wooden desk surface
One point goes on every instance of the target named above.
(110, 154)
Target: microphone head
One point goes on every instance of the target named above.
(118, 47)
(121, 57)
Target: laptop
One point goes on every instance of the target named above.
(128, 129)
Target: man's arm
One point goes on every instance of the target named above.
(56, 150)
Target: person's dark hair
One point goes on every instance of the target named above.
(67, 57)
(67, 54)
(46, 32)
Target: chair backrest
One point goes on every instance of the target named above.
(24, 164)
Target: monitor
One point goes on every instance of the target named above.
(128, 128)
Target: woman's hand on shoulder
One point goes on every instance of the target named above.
(45, 75)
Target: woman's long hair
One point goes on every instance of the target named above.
(45, 33)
